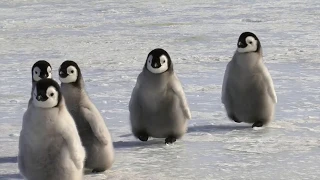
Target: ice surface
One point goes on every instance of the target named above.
(111, 39)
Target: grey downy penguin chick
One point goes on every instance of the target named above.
(40, 70)
(158, 106)
(92, 129)
(247, 92)
(49, 145)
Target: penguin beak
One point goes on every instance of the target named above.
(241, 44)
(41, 96)
(63, 74)
(43, 75)
(155, 65)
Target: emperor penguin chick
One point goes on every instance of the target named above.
(40, 70)
(92, 129)
(247, 92)
(158, 106)
(49, 145)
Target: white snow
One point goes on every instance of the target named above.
(110, 40)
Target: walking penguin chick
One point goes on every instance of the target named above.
(40, 70)
(247, 92)
(158, 106)
(93, 132)
(49, 146)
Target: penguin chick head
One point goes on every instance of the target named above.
(69, 72)
(158, 61)
(248, 42)
(41, 70)
(46, 94)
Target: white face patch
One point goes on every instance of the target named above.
(72, 75)
(52, 100)
(163, 65)
(252, 45)
(49, 71)
(36, 74)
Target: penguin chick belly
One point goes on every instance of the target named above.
(45, 157)
(162, 116)
(252, 102)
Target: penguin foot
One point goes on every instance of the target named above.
(143, 136)
(97, 170)
(257, 124)
(234, 118)
(170, 140)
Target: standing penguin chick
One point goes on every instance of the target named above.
(158, 106)
(247, 92)
(49, 146)
(40, 70)
(93, 132)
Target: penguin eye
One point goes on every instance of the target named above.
(250, 42)
(163, 61)
(72, 71)
(51, 94)
(36, 72)
(149, 61)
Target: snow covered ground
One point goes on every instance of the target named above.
(111, 39)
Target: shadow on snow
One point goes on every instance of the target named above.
(9, 159)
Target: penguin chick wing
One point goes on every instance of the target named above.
(93, 117)
(270, 85)
(134, 102)
(69, 132)
(224, 84)
(178, 91)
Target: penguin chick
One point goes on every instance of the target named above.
(40, 70)
(247, 92)
(158, 106)
(92, 129)
(49, 145)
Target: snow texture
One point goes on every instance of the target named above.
(111, 39)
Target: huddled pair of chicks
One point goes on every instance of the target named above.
(62, 132)
(49, 145)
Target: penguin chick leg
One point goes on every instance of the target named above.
(97, 170)
(234, 118)
(170, 139)
(257, 124)
(142, 136)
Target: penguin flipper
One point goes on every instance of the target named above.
(135, 115)
(69, 133)
(224, 84)
(178, 91)
(270, 85)
(96, 123)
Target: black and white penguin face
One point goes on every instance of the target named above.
(158, 61)
(41, 70)
(248, 42)
(69, 72)
(46, 94)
